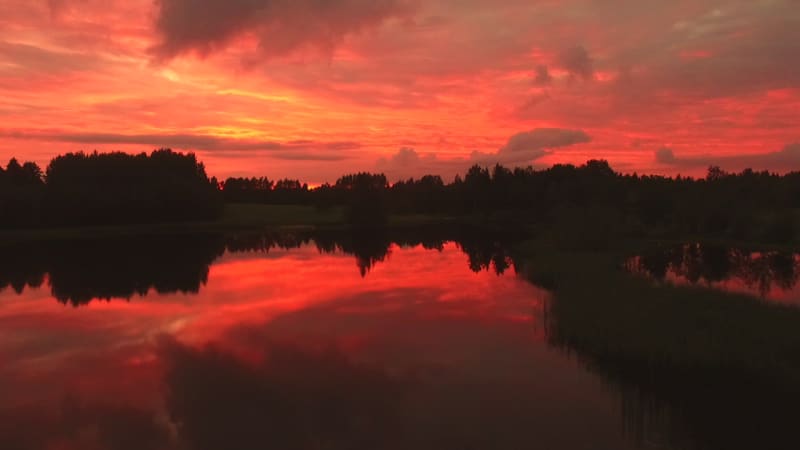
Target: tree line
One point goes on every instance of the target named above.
(588, 201)
(109, 188)
(114, 188)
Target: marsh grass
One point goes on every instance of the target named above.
(725, 366)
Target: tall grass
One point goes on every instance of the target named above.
(725, 367)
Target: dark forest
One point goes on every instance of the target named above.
(80, 189)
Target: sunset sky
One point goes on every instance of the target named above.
(312, 89)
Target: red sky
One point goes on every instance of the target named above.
(313, 89)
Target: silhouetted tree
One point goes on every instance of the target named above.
(365, 195)
(247, 190)
(115, 188)
(589, 203)
(21, 192)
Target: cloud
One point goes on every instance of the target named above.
(665, 155)
(280, 27)
(543, 76)
(405, 157)
(520, 149)
(788, 158)
(534, 144)
(31, 58)
(299, 150)
(577, 62)
(723, 72)
(407, 162)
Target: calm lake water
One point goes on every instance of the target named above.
(769, 275)
(289, 342)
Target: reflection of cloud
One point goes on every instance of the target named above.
(299, 346)
(787, 158)
(294, 397)
(78, 426)
(353, 373)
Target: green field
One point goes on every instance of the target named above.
(235, 217)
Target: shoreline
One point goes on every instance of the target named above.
(288, 218)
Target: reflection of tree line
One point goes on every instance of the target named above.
(697, 263)
(294, 397)
(80, 271)
(695, 368)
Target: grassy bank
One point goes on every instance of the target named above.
(722, 368)
(235, 217)
(238, 217)
(256, 215)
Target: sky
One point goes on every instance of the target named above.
(313, 89)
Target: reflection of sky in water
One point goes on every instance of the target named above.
(774, 294)
(772, 276)
(423, 351)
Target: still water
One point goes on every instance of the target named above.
(293, 342)
(769, 275)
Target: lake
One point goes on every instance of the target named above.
(295, 341)
(769, 275)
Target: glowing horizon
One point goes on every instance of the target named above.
(314, 90)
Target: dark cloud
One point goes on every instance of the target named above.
(665, 155)
(521, 149)
(787, 158)
(577, 62)
(543, 76)
(299, 150)
(532, 104)
(281, 26)
(114, 427)
(722, 49)
(536, 142)
(400, 387)
(287, 401)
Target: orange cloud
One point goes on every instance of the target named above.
(357, 80)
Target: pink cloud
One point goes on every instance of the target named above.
(454, 78)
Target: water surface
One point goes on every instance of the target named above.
(769, 275)
(309, 346)
(326, 342)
